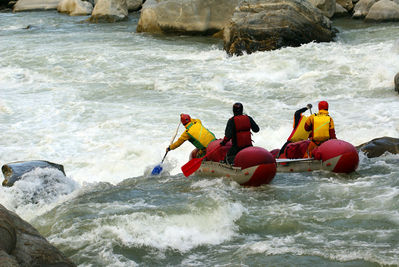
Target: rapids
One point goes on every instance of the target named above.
(104, 101)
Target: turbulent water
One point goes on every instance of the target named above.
(104, 102)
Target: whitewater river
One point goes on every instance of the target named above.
(104, 102)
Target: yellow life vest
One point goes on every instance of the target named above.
(200, 136)
(299, 133)
(321, 127)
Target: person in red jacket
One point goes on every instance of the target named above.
(321, 126)
(238, 129)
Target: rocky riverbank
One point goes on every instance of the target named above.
(246, 25)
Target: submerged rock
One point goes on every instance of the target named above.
(13, 171)
(22, 245)
(263, 26)
(379, 146)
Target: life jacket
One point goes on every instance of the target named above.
(321, 127)
(200, 136)
(243, 131)
(299, 133)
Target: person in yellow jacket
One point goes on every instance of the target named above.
(298, 132)
(196, 133)
(321, 126)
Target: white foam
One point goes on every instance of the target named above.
(37, 192)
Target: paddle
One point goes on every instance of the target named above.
(158, 169)
(309, 106)
(193, 165)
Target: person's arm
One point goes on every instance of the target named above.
(228, 132)
(183, 138)
(254, 126)
(298, 115)
(332, 130)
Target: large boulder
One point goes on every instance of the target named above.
(396, 81)
(340, 11)
(29, 5)
(347, 4)
(21, 243)
(109, 11)
(134, 5)
(362, 8)
(327, 7)
(384, 10)
(75, 7)
(202, 17)
(263, 26)
(379, 146)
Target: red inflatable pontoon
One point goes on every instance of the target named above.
(333, 155)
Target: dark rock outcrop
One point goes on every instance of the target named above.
(379, 146)
(396, 81)
(262, 26)
(22, 245)
(13, 171)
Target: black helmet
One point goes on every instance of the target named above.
(237, 109)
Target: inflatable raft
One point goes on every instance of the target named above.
(333, 155)
(253, 166)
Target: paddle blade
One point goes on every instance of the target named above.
(191, 166)
(157, 170)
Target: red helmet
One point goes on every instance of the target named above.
(185, 118)
(323, 105)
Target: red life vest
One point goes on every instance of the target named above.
(243, 131)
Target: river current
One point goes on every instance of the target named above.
(104, 101)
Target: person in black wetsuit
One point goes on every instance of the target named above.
(238, 129)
